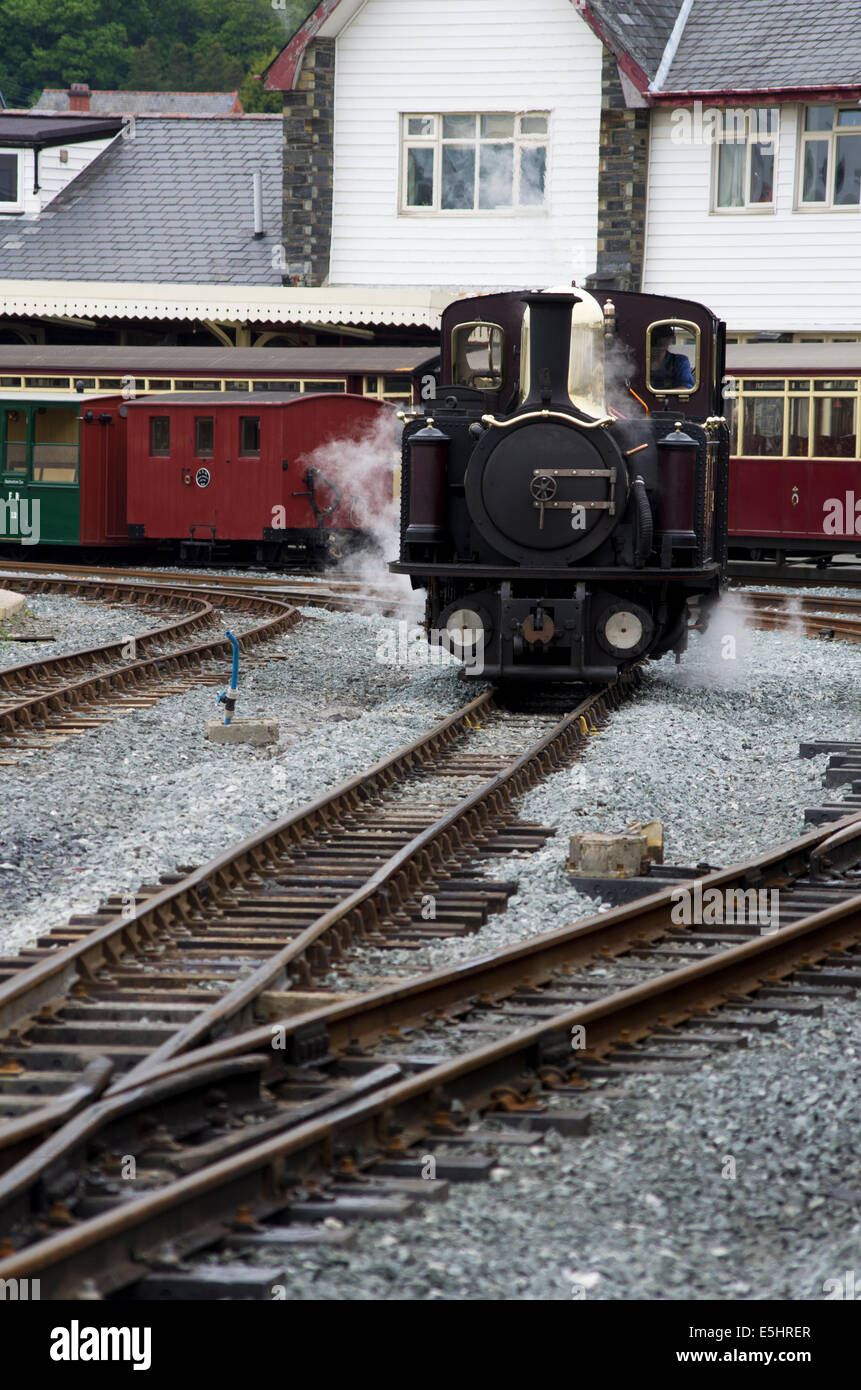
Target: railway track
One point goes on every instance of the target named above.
(153, 1118)
(194, 956)
(246, 1143)
(343, 593)
(810, 615)
(48, 700)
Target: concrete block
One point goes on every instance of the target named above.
(10, 602)
(608, 856)
(257, 732)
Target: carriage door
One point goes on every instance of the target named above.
(54, 486)
(39, 447)
(204, 475)
(14, 470)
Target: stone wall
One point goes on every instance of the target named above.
(309, 119)
(623, 161)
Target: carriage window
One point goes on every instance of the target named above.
(159, 436)
(834, 427)
(55, 446)
(762, 427)
(15, 434)
(476, 355)
(799, 427)
(249, 436)
(673, 350)
(204, 436)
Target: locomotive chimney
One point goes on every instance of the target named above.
(549, 349)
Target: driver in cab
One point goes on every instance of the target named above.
(668, 371)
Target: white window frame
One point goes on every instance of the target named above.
(18, 204)
(436, 142)
(804, 138)
(752, 136)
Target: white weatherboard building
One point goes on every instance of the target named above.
(457, 159)
(478, 144)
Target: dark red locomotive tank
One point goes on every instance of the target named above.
(575, 509)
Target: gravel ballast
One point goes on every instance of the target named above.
(116, 807)
(74, 623)
(732, 1182)
(710, 747)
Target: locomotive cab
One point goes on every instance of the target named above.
(558, 534)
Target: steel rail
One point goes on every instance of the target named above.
(418, 860)
(532, 961)
(332, 591)
(34, 710)
(112, 1248)
(35, 986)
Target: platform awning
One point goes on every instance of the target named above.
(229, 304)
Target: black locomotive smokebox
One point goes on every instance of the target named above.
(546, 490)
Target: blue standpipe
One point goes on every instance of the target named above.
(228, 697)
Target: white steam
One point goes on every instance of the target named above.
(619, 370)
(364, 467)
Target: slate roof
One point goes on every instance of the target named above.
(174, 205)
(640, 27)
(112, 103)
(738, 45)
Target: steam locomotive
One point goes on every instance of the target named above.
(565, 502)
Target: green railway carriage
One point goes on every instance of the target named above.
(40, 454)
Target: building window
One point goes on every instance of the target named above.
(475, 163)
(9, 180)
(204, 436)
(249, 436)
(159, 436)
(745, 159)
(831, 157)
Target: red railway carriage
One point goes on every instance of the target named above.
(261, 471)
(795, 474)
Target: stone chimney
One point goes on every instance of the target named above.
(79, 96)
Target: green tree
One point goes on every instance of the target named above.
(144, 44)
(252, 92)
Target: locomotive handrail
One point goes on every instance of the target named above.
(547, 415)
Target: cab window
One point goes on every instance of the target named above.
(673, 355)
(476, 355)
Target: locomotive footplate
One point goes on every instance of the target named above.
(699, 577)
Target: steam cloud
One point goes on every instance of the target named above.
(363, 466)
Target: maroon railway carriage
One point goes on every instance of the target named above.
(795, 472)
(257, 474)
